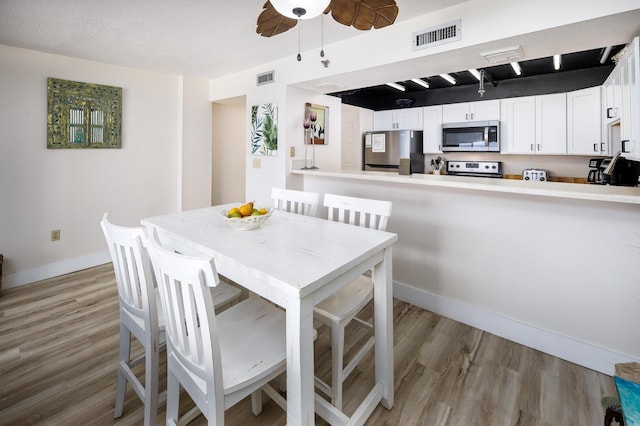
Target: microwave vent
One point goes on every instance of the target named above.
(265, 78)
(437, 35)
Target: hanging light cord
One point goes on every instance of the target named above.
(322, 35)
(299, 57)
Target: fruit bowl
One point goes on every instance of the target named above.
(246, 223)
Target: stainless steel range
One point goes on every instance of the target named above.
(475, 168)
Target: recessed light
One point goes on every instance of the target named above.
(475, 73)
(448, 78)
(421, 82)
(556, 62)
(396, 86)
(516, 68)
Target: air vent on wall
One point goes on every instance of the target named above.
(435, 36)
(265, 78)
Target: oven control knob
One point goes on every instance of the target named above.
(542, 178)
(526, 177)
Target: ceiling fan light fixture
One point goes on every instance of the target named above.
(516, 68)
(556, 62)
(421, 82)
(447, 77)
(300, 9)
(396, 86)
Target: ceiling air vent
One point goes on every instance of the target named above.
(435, 36)
(266, 78)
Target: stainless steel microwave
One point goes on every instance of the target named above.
(476, 136)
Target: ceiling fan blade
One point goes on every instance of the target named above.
(364, 14)
(271, 23)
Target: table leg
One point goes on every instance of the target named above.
(383, 326)
(300, 379)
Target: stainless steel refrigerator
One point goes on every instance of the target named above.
(382, 151)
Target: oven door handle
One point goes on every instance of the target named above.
(486, 136)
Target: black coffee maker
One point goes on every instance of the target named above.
(622, 171)
(596, 170)
(617, 171)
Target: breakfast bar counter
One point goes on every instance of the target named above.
(613, 194)
(538, 263)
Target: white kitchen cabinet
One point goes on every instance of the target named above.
(584, 120)
(432, 130)
(534, 125)
(518, 125)
(551, 124)
(398, 119)
(629, 120)
(612, 97)
(471, 111)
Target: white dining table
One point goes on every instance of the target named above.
(296, 261)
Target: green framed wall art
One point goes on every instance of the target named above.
(83, 115)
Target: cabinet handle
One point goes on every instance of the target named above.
(610, 113)
(624, 146)
(466, 116)
(531, 147)
(538, 147)
(595, 147)
(472, 116)
(602, 146)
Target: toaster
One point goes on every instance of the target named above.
(535, 174)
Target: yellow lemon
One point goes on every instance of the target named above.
(233, 212)
(262, 211)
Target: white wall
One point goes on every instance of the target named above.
(69, 189)
(195, 143)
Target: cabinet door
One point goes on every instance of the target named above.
(631, 129)
(518, 125)
(584, 121)
(455, 113)
(611, 97)
(484, 110)
(432, 130)
(384, 120)
(551, 124)
(409, 119)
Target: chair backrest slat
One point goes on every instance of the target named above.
(358, 211)
(300, 202)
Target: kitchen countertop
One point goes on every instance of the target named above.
(613, 194)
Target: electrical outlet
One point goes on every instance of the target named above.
(55, 235)
(292, 151)
(256, 163)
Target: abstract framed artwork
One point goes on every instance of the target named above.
(264, 129)
(318, 115)
(83, 115)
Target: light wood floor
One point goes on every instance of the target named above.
(59, 343)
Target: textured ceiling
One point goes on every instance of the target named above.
(206, 38)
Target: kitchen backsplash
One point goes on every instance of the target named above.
(565, 166)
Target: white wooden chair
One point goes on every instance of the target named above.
(341, 308)
(218, 359)
(140, 316)
(300, 202)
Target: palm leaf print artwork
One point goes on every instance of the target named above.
(264, 129)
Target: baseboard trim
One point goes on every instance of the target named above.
(564, 347)
(55, 269)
